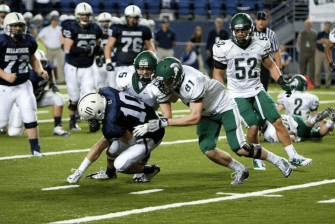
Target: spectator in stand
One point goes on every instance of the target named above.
(165, 40)
(306, 46)
(197, 38)
(189, 57)
(216, 34)
(285, 58)
(322, 40)
(50, 37)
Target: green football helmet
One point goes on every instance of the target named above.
(149, 60)
(169, 75)
(299, 82)
(241, 21)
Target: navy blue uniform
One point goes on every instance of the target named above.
(82, 37)
(129, 42)
(124, 112)
(104, 40)
(2, 31)
(165, 39)
(15, 56)
(39, 82)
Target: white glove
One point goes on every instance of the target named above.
(140, 130)
(156, 124)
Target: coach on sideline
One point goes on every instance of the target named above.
(260, 30)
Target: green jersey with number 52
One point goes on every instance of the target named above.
(243, 65)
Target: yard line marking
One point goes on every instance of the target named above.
(327, 201)
(51, 120)
(282, 91)
(147, 191)
(87, 150)
(59, 187)
(271, 195)
(42, 112)
(199, 202)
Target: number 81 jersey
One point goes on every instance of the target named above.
(243, 65)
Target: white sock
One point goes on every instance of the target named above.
(235, 165)
(84, 165)
(312, 120)
(272, 158)
(290, 151)
(329, 124)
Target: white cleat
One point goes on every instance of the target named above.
(299, 160)
(240, 176)
(284, 167)
(258, 164)
(60, 131)
(74, 178)
(38, 153)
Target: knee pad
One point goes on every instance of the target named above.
(30, 125)
(58, 100)
(72, 106)
(251, 149)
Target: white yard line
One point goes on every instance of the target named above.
(271, 195)
(59, 187)
(327, 201)
(199, 202)
(147, 191)
(42, 112)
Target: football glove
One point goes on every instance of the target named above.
(152, 126)
(140, 130)
(97, 49)
(109, 67)
(285, 86)
(98, 61)
(332, 66)
(89, 50)
(53, 86)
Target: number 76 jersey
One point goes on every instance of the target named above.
(243, 65)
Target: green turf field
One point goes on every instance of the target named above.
(192, 188)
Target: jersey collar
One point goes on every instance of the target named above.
(135, 83)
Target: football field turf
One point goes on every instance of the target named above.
(189, 189)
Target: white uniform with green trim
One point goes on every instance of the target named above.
(128, 82)
(243, 65)
(197, 86)
(270, 134)
(332, 36)
(300, 103)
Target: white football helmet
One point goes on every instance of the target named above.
(152, 24)
(71, 17)
(105, 17)
(144, 21)
(27, 15)
(83, 9)
(133, 11)
(11, 19)
(5, 10)
(54, 13)
(40, 55)
(63, 18)
(38, 17)
(92, 106)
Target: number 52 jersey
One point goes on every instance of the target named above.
(243, 65)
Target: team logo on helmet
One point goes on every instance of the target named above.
(176, 68)
(143, 63)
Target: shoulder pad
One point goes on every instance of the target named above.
(221, 49)
(124, 80)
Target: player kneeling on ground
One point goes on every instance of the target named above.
(119, 113)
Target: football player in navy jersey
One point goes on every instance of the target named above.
(81, 42)
(44, 98)
(119, 114)
(17, 51)
(4, 10)
(129, 38)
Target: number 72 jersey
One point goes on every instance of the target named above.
(243, 65)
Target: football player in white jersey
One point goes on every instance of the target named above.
(328, 47)
(242, 57)
(300, 102)
(137, 83)
(211, 107)
(300, 129)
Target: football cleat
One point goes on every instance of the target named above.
(37, 153)
(258, 164)
(284, 167)
(137, 177)
(3, 131)
(147, 177)
(74, 178)
(323, 114)
(299, 160)
(240, 176)
(332, 117)
(101, 175)
(74, 126)
(59, 130)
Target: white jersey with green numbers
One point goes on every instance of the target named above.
(332, 36)
(299, 103)
(197, 86)
(243, 65)
(127, 81)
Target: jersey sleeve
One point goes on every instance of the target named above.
(68, 31)
(281, 98)
(332, 36)
(112, 32)
(266, 49)
(314, 103)
(220, 52)
(123, 80)
(34, 44)
(160, 97)
(147, 35)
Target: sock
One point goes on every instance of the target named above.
(329, 124)
(58, 121)
(148, 169)
(110, 171)
(235, 165)
(84, 165)
(312, 120)
(34, 146)
(272, 158)
(72, 117)
(290, 151)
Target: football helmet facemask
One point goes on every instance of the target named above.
(299, 82)
(146, 59)
(12, 19)
(241, 21)
(92, 107)
(83, 9)
(169, 75)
